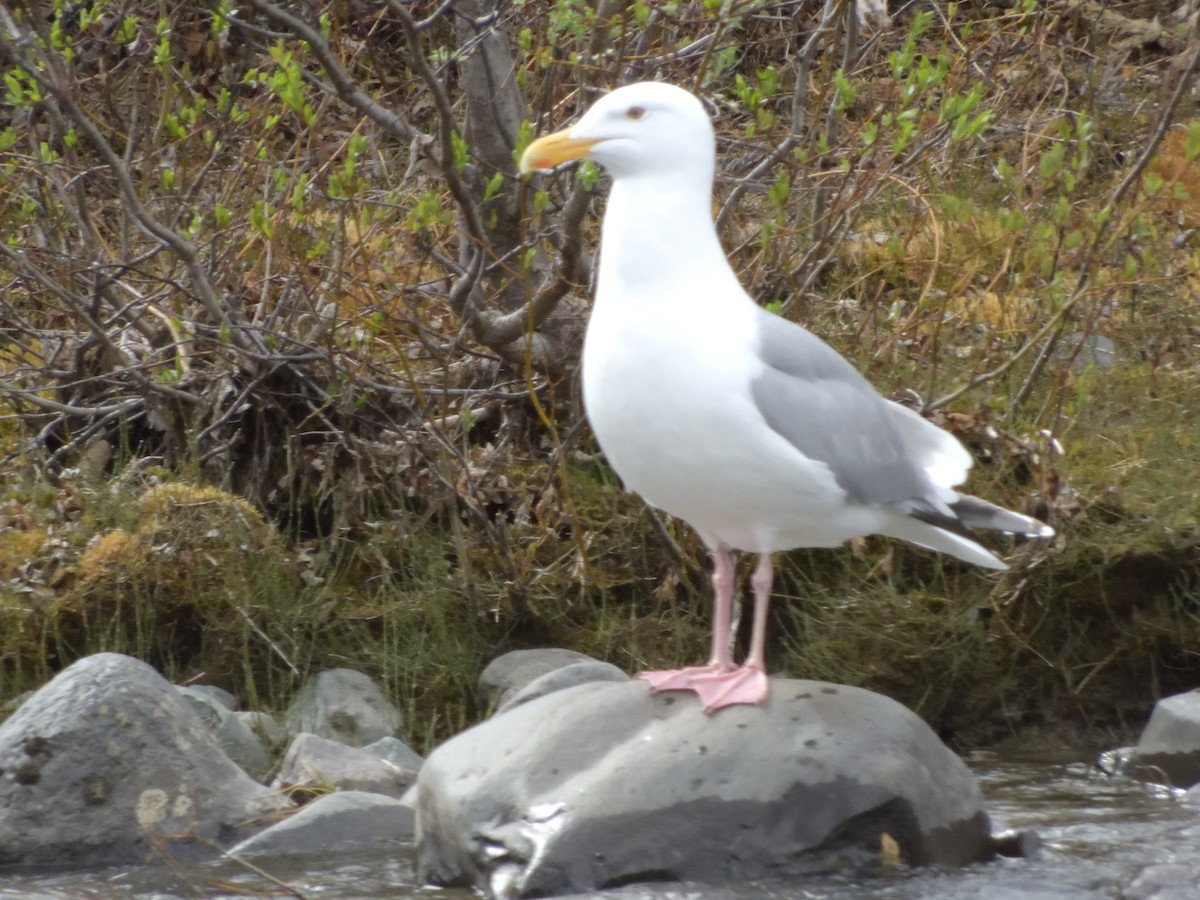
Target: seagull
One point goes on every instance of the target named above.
(746, 426)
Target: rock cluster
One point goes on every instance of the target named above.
(109, 763)
(580, 780)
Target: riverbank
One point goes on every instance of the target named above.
(990, 211)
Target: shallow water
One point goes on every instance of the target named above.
(1097, 832)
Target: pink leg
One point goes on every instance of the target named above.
(748, 684)
(764, 575)
(721, 659)
(719, 684)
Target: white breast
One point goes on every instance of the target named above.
(668, 397)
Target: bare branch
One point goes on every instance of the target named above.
(804, 61)
(58, 89)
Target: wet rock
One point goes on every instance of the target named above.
(605, 784)
(1023, 844)
(1164, 881)
(399, 754)
(315, 764)
(342, 705)
(109, 754)
(1168, 750)
(240, 744)
(558, 679)
(507, 674)
(1118, 761)
(340, 821)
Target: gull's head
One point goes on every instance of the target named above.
(640, 129)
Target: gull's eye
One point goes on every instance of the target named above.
(635, 112)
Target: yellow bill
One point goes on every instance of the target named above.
(553, 149)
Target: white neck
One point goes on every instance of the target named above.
(657, 233)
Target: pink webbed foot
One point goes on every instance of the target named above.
(716, 687)
(677, 679)
(747, 685)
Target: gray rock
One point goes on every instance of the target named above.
(220, 695)
(1086, 350)
(1168, 749)
(347, 819)
(507, 674)
(316, 764)
(557, 679)
(107, 754)
(240, 744)
(606, 784)
(399, 754)
(342, 705)
(266, 728)
(1164, 881)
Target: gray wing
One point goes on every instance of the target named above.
(813, 397)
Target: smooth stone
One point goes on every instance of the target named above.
(236, 738)
(265, 727)
(606, 784)
(314, 764)
(508, 673)
(342, 705)
(1168, 750)
(399, 754)
(340, 821)
(108, 757)
(221, 695)
(566, 677)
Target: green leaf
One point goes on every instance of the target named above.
(493, 186)
(462, 154)
(1191, 141)
(589, 174)
(126, 31)
(1051, 162)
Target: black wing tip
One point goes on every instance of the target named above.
(924, 511)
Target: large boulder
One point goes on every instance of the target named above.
(342, 705)
(606, 784)
(107, 758)
(1168, 749)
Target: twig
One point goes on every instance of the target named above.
(269, 641)
(804, 61)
